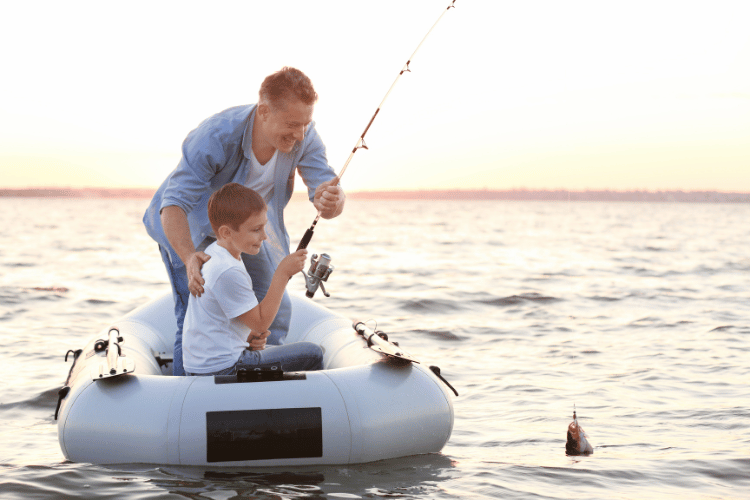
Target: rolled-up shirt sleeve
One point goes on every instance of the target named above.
(313, 164)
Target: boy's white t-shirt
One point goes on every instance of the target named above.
(212, 337)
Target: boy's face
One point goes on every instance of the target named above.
(250, 234)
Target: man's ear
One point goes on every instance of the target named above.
(263, 111)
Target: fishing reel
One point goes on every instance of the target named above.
(320, 270)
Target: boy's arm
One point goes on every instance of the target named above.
(260, 317)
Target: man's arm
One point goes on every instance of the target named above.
(323, 186)
(177, 230)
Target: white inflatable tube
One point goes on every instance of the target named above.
(360, 408)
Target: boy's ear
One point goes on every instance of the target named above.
(224, 232)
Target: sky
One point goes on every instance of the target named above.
(647, 95)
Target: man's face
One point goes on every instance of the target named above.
(286, 125)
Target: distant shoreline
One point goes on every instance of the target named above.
(452, 194)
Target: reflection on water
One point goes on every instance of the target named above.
(419, 476)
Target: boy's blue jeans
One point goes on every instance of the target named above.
(295, 357)
(261, 276)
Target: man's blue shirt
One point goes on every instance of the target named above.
(217, 152)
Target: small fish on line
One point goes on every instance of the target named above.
(577, 443)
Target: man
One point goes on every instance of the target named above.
(260, 146)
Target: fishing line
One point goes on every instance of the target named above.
(361, 141)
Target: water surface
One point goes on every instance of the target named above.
(638, 314)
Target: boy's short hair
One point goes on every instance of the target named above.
(232, 204)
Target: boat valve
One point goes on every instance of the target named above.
(320, 270)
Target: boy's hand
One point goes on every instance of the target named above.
(292, 264)
(257, 340)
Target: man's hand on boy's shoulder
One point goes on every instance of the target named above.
(195, 279)
(257, 340)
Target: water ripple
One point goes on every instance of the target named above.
(519, 299)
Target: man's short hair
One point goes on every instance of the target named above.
(232, 205)
(287, 83)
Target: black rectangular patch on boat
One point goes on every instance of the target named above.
(234, 379)
(235, 436)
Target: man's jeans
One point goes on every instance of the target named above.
(295, 357)
(261, 276)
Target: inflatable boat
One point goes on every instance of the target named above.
(372, 401)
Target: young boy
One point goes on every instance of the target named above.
(226, 325)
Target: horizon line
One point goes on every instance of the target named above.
(513, 194)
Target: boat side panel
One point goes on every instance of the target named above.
(122, 419)
(88, 364)
(342, 346)
(401, 411)
(158, 315)
(64, 411)
(144, 339)
(154, 324)
(306, 316)
(287, 422)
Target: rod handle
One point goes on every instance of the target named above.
(305, 239)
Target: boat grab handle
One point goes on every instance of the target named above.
(436, 371)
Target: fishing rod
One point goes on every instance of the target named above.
(361, 145)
